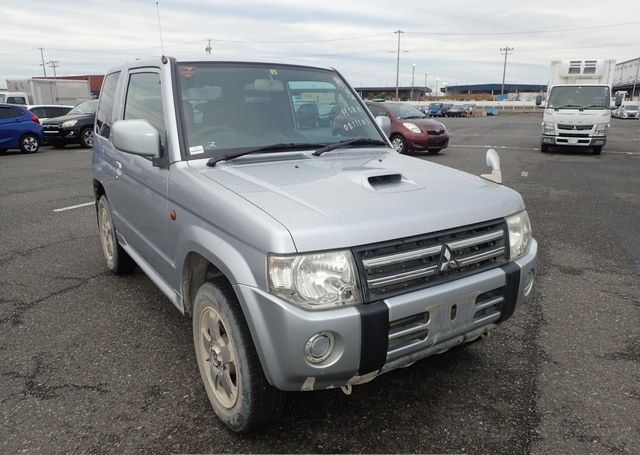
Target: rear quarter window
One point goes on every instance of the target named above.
(105, 105)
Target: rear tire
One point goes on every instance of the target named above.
(230, 369)
(118, 261)
(29, 143)
(597, 150)
(399, 143)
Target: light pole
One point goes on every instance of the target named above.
(437, 81)
(399, 32)
(444, 86)
(426, 85)
(506, 51)
(413, 80)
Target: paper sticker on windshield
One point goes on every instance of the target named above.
(273, 72)
(197, 150)
(187, 71)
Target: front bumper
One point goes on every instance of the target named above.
(378, 337)
(590, 141)
(425, 141)
(55, 134)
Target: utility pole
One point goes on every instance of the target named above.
(635, 81)
(413, 79)
(437, 81)
(54, 64)
(506, 51)
(426, 86)
(399, 32)
(208, 48)
(44, 68)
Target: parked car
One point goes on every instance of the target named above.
(76, 127)
(14, 98)
(411, 130)
(457, 110)
(46, 111)
(445, 109)
(469, 109)
(435, 110)
(309, 258)
(491, 111)
(19, 129)
(631, 111)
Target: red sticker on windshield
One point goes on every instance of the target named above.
(187, 71)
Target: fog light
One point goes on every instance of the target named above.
(319, 347)
(530, 279)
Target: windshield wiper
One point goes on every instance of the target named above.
(348, 142)
(266, 149)
(567, 106)
(414, 116)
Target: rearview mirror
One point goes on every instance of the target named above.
(137, 137)
(384, 123)
(538, 100)
(268, 85)
(619, 99)
(493, 161)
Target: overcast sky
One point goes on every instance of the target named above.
(456, 41)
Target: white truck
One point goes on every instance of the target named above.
(577, 111)
(51, 91)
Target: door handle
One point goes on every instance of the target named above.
(118, 169)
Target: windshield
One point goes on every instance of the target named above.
(247, 105)
(579, 97)
(405, 111)
(88, 107)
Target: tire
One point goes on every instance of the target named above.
(433, 151)
(86, 137)
(544, 148)
(29, 143)
(597, 150)
(118, 261)
(233, 378)
(399, 143)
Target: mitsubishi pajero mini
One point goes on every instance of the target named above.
(309, 254)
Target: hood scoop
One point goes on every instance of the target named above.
(387, 181)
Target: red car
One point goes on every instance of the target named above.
(411, 129)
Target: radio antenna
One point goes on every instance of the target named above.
(160, 27)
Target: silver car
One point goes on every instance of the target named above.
(309, 255)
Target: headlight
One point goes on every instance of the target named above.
(443, 127)
(601, 129)
(548, 128)
(69, 123)
(315, 281)
(519, 234)
(411, 127)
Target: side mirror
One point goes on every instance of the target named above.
(493, 161)
(384, 123)
(137, 137)
(619, 99)
(538, 100)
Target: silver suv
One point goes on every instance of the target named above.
(309, 254)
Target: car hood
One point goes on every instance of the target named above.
(64, 118)
(424, 124)
(356, 197)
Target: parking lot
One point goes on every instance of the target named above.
(92, 362)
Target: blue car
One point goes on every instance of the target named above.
(19, 129)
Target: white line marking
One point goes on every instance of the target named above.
(71, 207)
(525, 173)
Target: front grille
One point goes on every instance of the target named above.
(562, 126)
(574, 134)
(399, 266)
(435, 132)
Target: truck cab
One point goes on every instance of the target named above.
(577, 110)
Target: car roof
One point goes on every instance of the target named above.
(48, 105)
(22, 106)
(156, 61)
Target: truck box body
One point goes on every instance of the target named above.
(52, 91)
(577, 111)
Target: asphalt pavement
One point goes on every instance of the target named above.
(94, 363)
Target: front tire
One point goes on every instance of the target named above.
(399, 143)
(237, 388)
(433, 151)
(29, 143)
(597, 150)
(86, 137)
(118, 261)
(544, 148)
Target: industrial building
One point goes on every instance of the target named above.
(626, 78)
(495, 89)
(404, 93)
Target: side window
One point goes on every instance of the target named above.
(144, 101)
(16, 100)
(6, 112)
(105, 105)
(40, 112)
(377, 112)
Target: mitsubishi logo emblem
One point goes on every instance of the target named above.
(447, 261)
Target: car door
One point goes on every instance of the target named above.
(10, 119)
(139, 191)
